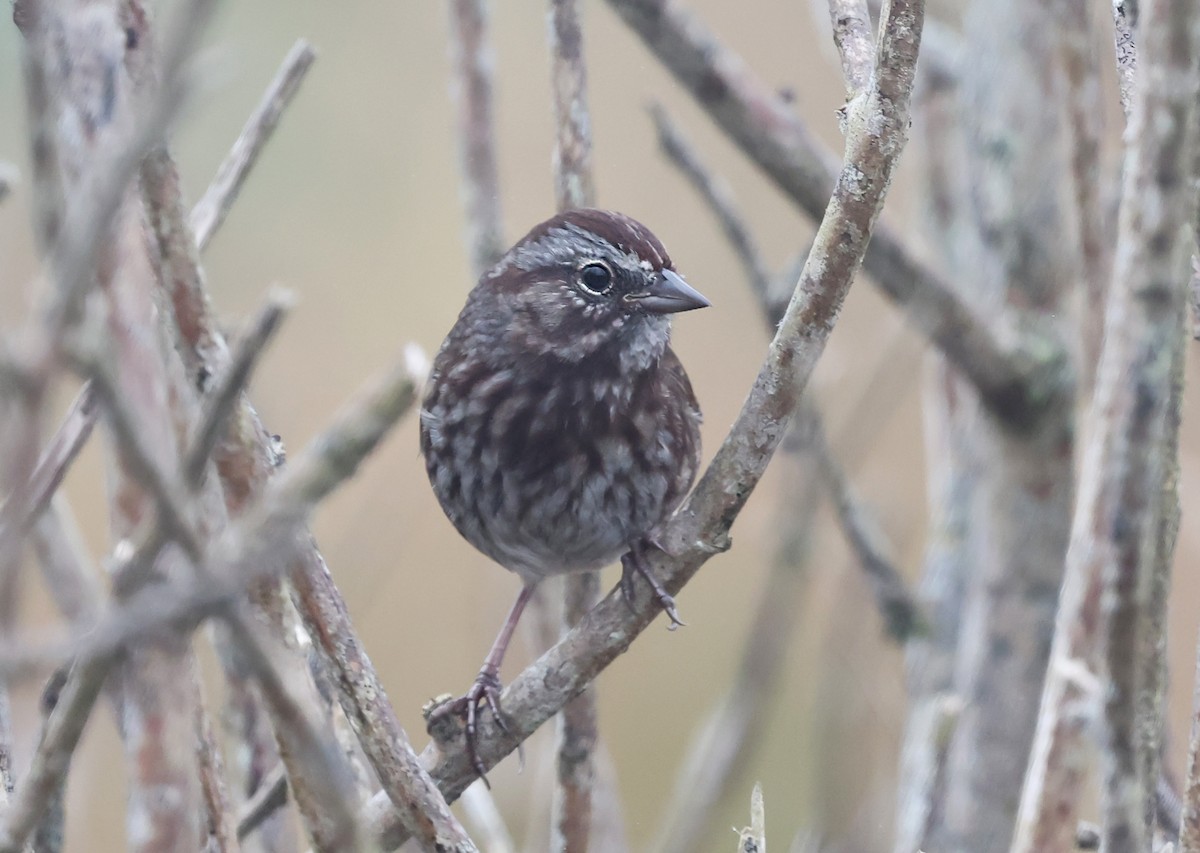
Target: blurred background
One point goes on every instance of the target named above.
(355, 206)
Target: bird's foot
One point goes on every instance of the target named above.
(484, 691)
(633, 564)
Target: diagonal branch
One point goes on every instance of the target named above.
(214, 205)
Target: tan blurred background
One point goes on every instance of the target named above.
(355, 207)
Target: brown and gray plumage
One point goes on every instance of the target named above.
(559, 429)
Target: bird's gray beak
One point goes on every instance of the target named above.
(668, 294)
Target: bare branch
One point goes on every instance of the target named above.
(52, 757)
(578, 735)
(574, 186)
(472, 62)
(901, 614)
(214, 205)
(852, 35)
(22, 509)
(9, 179)
(573, 181)
(272, 795)
(232, 383)
(483, 813)
(218, 831)
(1118, 505)
(72, 580)
(753, 838)
(700, 528)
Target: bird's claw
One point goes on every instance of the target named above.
(632, 565)
(484, 691)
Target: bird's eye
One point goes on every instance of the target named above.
(596, 277)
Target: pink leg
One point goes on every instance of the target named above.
(486, 688)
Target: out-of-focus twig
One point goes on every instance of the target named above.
(9, 178)
(574, 187)
(1119, 503)
(212, 208)
(484, 815)
(901, 614)
(472, 63)
(70, 437)
(722, 746)
(231, 384)
(246, 461)
(719, 198)
(272, 794)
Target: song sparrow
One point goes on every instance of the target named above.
(559, 429)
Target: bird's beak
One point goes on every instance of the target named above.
(668, 293)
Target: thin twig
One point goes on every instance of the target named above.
(901, 614)
(472, 63)
(271, 795)
(246, 460)
(52, 758)
(219, 831)
(700, 528)
(753, 838)
(244, 553)
(66, 567)
(70, 437)
(224, 397)
(484, 815)
(214, 205)
(574, 185)
(10, 177)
